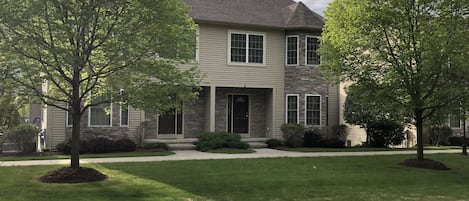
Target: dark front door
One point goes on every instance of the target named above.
(170, 123)
(238, 113)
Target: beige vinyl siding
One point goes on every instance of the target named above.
(333, 106)
(135, 118)
(213, 63)
(55, 127)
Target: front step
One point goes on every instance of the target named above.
(189, 143)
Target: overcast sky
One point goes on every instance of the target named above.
(318, 6)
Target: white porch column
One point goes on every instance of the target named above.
(212, 107)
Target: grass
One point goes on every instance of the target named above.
(231, 151)
(323, 178)
(106, 155)
(362, 149)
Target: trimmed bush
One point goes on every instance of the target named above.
(99, 145)
(293, 134)
(457, 141)
(334, 142)
(156, 145)
(312, 138)
(271, 143)
(385, 133)
(218, 140)
(25, 135)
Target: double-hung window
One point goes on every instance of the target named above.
(100, 114)
(292, 108)
(247, 48)
(313, 110)
(312, 46)
(292, 50)
(454, 121)
(124, 115)
(69, 120)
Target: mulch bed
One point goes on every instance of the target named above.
(73, 175)
(425, 163)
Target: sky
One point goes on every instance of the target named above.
(318, 6)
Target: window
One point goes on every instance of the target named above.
(69, 121)
(313, 110)
(292, 50)
(196, 48)
(312, 45)
(292, 107)
(100, 115)
(246, 48)
(454, 121)
(124, 115)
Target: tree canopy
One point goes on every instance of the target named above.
(68, 52)
(412, 52)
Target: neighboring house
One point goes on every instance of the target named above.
(261, 68)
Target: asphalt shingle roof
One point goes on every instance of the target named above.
(285, 14)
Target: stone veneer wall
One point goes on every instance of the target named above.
(306, 79)
(257, 122)
(194, 118)
(113, 132)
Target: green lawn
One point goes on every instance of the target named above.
(106, 155)
(323, 178)
(362, 149)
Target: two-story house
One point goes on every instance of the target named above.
(261, 70)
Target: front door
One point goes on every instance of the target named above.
(238, 114)
(170, 123)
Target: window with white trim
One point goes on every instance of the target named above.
(292, 108)
(196, 48)
(100, 115)
(454, 121)
(313, 110)
(124, 115)
(292, 50)
(247, 48)
(312, 46)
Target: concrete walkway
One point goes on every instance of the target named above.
(197, 155)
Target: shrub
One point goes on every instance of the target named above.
(439, 135)
(25, 135)
(457, 141)
(217, 140)
(312, 138)
(156, 145)
(271, 143)
(99, 145)
(333, 142)
(385, 133)
(125, 145)
(293, 134)
(340, 131)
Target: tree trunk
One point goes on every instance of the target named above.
(419, 125)
(75, 153)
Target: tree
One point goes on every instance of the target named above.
(413, 52)
(360, 109)
(82, 51)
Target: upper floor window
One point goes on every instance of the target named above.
(292, 50)
(292, 107)
(100, 114)
(196, 48)
(69, 122)
(313, 110)
(246, 48)
(312, 45)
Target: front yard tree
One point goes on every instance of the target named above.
(413, 52)
(83, 50)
